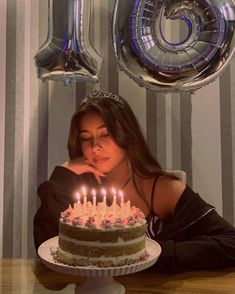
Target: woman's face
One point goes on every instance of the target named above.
(97, 144)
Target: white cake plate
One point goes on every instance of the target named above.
(99, 280)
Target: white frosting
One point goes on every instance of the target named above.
(126, 226)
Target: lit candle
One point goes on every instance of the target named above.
(85, 201)
(93, 192)
(104, 193)
(128, 207)
(84, 196)
(78, 197)
(77, 204)
(114, 202)
(121, 198)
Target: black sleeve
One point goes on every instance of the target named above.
(207, 244)
(196, 237)
(56, 194)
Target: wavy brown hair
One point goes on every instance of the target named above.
(122, 126)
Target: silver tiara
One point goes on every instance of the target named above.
(101, 94)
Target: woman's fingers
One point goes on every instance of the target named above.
(81, 165)
(98, 179)
(98, 174)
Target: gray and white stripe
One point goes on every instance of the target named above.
(195, 133)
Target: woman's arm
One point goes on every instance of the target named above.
(56, 194)
(196, 237)
(209, 243)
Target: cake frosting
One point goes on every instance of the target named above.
(100, 235)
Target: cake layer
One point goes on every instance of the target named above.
(105, 250)
(78, 260)
(102, 235)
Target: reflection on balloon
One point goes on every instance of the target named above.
(146, 54)
(67, 54)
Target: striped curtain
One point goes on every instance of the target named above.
(195, 133)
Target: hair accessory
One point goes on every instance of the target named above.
(101, 94)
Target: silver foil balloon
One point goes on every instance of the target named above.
(153, 61)
(67, 54)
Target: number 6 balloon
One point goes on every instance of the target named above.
(67, 54)
(154, 61)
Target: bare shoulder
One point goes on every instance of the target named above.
(167, 193)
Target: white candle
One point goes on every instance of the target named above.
(114, 202)
(84, 191)
(121, 203)
(121, 198)
(78, 197)
(128, 205)
(84, 201)
(93, 192)
(104, 193)
(77, 204)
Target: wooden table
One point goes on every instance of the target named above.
(23, 276)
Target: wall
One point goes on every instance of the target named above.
(195, 133)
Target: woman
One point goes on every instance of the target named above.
(106, 147)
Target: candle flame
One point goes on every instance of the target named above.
(93, 192)
(103, 191)
(114, 191)
(84, 190)
(121, 193)
(78, 196)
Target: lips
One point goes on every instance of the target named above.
(98, 160)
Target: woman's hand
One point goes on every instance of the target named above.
(81, 165)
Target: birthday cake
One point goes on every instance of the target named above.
(100, 235)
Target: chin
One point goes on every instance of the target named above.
(103, 169)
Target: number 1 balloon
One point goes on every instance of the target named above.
(67, 54)
(153, 61)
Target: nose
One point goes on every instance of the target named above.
(96, 143)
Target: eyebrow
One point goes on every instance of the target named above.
(100, 127)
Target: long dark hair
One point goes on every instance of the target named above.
(123, 127)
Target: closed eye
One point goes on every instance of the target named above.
(104, 135)
(84, 139)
